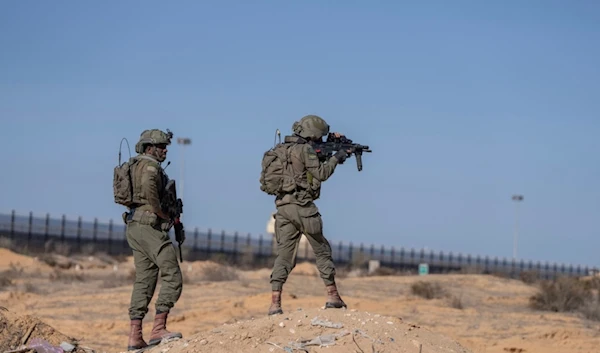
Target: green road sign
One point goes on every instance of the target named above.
(423, 269)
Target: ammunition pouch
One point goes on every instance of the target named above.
(147, 218)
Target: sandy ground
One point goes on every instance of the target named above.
(224, 310)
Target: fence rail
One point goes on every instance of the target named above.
(35, 233)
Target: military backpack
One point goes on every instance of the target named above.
(123, 183)
(277, 175)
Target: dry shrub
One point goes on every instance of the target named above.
(456, 302)
(6, 279)
(591, 310)
(427, 290)
(529, 277)
(7, 243)
(563, 294)
(66, 276)
(471, 270)
(88, 249)
(219, 274)
(115, 279)
(384, 271)
(592, 283)
(29, 287)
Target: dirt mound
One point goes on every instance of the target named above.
(8, 258)
(16, 331)
(316, 330)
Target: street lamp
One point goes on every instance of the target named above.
(517, 199)
(184, 141)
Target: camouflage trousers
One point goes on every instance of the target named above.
(153, 251)
(291, 221)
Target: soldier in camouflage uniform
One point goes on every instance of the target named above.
(297, 213)
(147, 235)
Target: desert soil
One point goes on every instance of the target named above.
(224, 310)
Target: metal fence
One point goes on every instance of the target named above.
(36, 234)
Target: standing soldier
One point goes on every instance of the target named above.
(148, 236)
(296, 187)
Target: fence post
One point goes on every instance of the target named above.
(30, 230)
(47, 227)
(62, 228)
(209, 241)
(339, 252)
(222, 246)
(95, 234)
(12, 224)
(361, 250)
(392, 257)
(235, 243)
(79, 232)
(195, 238)
(110, 231)
(260, 242)
(382, 254)
(372, 251)
(350, 251)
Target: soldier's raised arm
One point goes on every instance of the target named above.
(320, 171)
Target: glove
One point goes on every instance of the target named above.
(341, 156)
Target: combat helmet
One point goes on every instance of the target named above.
(311, 126)
(153, 137)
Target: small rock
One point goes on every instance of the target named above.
(204, 342)
(67, 347)
(292, 330)
(281, 324)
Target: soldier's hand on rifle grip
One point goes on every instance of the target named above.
(341, 156)
(338, 135)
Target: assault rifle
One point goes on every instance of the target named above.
(173, 207)
(333, 144)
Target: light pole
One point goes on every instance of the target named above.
(183, 141)
(517, 199)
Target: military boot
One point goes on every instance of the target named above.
(333, 298)
(275, 307)
(159, 331)
(136, 341)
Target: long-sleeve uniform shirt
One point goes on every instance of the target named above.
(310, 173)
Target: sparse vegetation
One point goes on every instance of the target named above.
(67, 276)
(219, 274)
(456, 302)
(427, 290)
(384, 271)
(529, 277)
(7, 243)
(6, 279)
(568, 294)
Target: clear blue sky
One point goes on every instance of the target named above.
(464, 104)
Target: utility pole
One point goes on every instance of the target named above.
(517, 199)
(183, 141)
